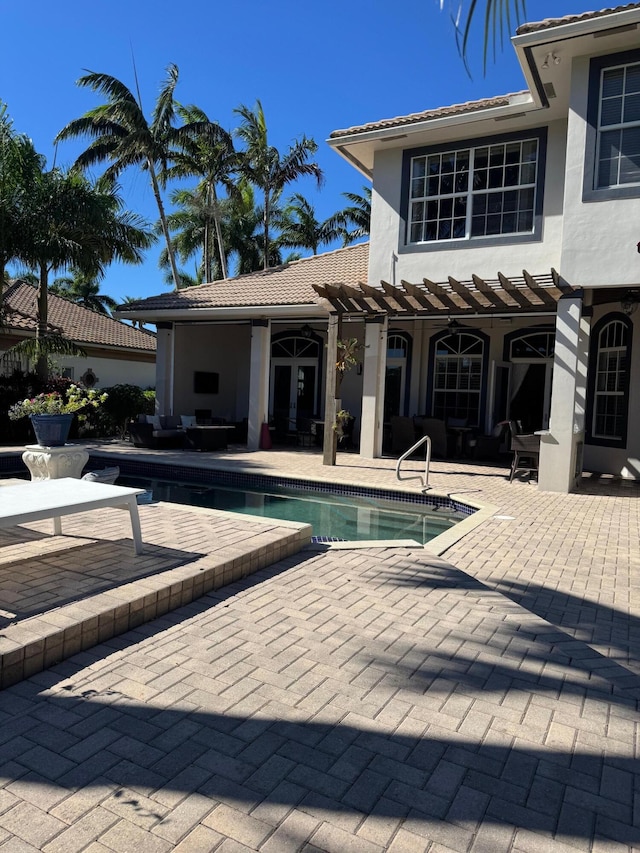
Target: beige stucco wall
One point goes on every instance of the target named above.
(222, 349)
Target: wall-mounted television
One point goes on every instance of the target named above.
(205, 382)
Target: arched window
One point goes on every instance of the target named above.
(458, 377)
(533, 344)
(609, 381)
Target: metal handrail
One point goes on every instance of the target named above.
(427, 461)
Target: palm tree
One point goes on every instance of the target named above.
(269, 170)
(300, 228)
(123, 137)
(204, 150)
(84, 290)
(498, 16)
(19, 166)
(73, 224)
(357, 214)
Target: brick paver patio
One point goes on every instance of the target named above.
(380, 699)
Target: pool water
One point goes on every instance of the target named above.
(332, 516)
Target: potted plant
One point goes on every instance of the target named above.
(51, 414)
(342, 423)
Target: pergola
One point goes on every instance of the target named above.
(523, 295)
(501, 296)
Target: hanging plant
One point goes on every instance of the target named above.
(347, 354)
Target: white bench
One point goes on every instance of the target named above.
(67, 496)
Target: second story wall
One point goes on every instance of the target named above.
(392, 255)
(601, 224)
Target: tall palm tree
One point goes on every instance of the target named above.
(84, 290)
(123, 137)
(269, 170)
(300, 228)
(205, 151)
(354, 221)
(73, 224)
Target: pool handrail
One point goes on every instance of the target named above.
(427, 461)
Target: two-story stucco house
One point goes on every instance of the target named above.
(501, 280)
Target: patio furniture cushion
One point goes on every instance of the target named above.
(187, 420)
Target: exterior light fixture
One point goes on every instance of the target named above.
(306, 331)
(550, 59)
(629, 301)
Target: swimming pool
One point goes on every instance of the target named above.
(332, 515)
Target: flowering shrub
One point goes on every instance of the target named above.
(55, 403)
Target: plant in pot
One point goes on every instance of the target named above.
(51, 414)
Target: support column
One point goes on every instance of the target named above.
(332, 403)
(258, 380)
(373, 382)
(561, 445)
(164, 368)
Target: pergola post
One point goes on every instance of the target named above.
(332, 389)
(373, 382)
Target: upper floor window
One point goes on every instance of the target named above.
(479, 190)
(618, 143)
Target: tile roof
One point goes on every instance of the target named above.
(75, 322)
(426, 115)
(549, 23)
(288, 284)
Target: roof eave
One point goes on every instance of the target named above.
(346, 145)
(232, 312)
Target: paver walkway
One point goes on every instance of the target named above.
(371, 700)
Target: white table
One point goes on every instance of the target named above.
(34, 501)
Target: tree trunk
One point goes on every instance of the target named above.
(42, 365)
(165, 227)
(216, 219)
(266, 228)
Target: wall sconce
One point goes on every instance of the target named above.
(306, 331)
(629, 301)
(551, 59)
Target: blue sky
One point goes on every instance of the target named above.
(316, 66)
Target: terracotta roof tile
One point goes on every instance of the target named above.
(426, 115)
(75, 322)
(289, 284)
(549, 23)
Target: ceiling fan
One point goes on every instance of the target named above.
(452, 326)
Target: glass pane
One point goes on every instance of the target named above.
(631, 108)
(416, 233)
(417, 187)
(611, 112)
(496, 177)
(433, 186)
(530, 151)
(419, 167)
(417, 210)
(632, 81)
(612, 82)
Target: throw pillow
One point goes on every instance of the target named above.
(188, 420)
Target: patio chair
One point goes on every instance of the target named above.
(524, 447)
(403, 434)
(437, 432)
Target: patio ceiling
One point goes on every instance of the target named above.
(525, 294)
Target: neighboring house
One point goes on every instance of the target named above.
(115, 351)
(502, 275)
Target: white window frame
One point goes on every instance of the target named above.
(469, 193)
(621, 126)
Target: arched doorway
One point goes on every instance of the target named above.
(395, 386)
(295, 379)
(530, 354)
